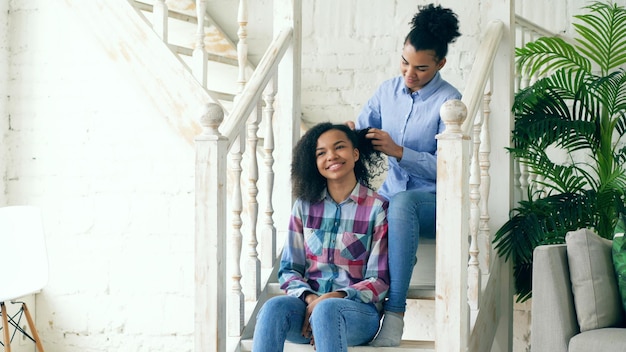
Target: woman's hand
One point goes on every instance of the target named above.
(312, 300)
(382, 141)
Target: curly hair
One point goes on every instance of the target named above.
(308, 183)
(433, 28)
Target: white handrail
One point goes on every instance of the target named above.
(253, 90)
(483, 64)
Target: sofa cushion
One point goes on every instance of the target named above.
(609, 339)
(619, 257)
(596, 297)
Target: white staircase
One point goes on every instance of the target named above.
(181, 32)
(469, 308)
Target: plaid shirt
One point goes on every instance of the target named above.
(338, 247)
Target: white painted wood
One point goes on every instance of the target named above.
(476, 95)
(484, 155)
(484, 330)
(236, 312)
(268, 233)
(253, 265)
(159, 19)
(451, 308)
(242, 44)
(485, 57)
(501, 202)
(247, 107)
(246, 102)
(210, 227)
(199, 56)
(288, 14)
(474, 286)
(405, 346)
(523, 180)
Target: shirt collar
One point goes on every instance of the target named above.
(354, 196)
(428, 89)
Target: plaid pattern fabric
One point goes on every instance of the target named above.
(338, 247)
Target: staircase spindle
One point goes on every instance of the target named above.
(484, 153)
(268, 234)
(523, 179)
(199, 55)
(253, 266)
(159, 19)
(237, 312)
(473, 270)
(242, 44)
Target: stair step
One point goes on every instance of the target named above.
(405, 346)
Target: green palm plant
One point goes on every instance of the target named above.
(579, 109)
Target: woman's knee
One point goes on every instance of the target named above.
(327, 308)
(281, 306)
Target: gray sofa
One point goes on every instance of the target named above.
(555, 325)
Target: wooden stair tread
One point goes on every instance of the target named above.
(405, 346)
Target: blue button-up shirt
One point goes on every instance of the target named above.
(412, 120)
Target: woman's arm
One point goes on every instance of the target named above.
(291, 274)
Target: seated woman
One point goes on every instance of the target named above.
(334, 262)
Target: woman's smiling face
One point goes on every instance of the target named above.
(335, 155)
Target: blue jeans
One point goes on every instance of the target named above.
(411, 214)
(336, 322)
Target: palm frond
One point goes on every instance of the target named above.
(553, 177)
(610, 91)
(603, 35)
(538, 222)
(547, 54)
(574, 112)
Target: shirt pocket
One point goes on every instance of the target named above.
(354, 246)
(314, 242)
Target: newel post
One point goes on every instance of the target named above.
(451, 306)
(210, 230)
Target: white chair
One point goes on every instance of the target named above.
(25, 266)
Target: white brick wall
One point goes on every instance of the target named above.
(4, 87)
(115, 183)
(85, 139)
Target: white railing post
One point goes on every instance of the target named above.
(159, 19)
(484, 155)
(473, 269)
(451, 307)
(242, 44)
(253, 266)
(210, 229)
(268, 234)
(236, 313)
(199, 55)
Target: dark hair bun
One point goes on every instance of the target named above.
(438, 22)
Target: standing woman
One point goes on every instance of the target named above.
(334, 262)
(404, 118)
